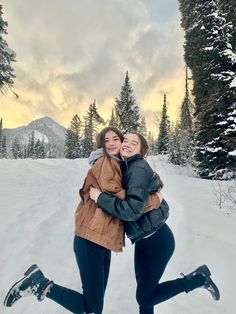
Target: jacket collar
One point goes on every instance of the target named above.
(126, 162)
(133, 158)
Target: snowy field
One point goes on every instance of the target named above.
(37, 204)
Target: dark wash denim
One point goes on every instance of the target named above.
(94, 264)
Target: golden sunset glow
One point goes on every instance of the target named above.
(64, 61)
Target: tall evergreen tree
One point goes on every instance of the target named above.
(16, 149)
(186, 121)
(126, 109)
(143, 128)
(92, 120)
(209, 54)
(185, 127)
(39, 149)
(73, 141)
(228, 7)
(49, 152)
(176, 156)
(7, 56)
(1, 139)
(25, 151)
(113, 120)
(3, 146)
(151, 143)
(31, 146)
(164, 130)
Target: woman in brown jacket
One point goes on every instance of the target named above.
(96, 234)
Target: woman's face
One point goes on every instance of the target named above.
(131, 145)
(112, 143)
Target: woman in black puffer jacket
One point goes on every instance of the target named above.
(154, 241)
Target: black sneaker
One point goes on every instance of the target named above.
(201, 277)
(33, 283)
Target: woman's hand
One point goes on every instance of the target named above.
(159, 194)
(94, 193)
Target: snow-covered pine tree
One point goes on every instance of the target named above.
(186, 120)
(228, 7)
(3, 145)
(151, 143)
(91, 121)
(16, 149)
(209, 54)
(162, 144)
(176, 156)
(31, 146)
(143, 128)
(185, 126)
(73, 140)
(7, 56)
(113, 120)
(1, 139)
(127, 111)
(39, 149)
(214, 152)
(97, 118)
(49, 152)
(25, 150)
(42, 153)
(193, 51)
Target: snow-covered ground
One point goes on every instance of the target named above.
(37, 204)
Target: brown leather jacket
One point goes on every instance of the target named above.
(91, 222)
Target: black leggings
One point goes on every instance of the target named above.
(94, 264)
(152, 255)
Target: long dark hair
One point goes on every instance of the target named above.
(143, 143)
(100, 139)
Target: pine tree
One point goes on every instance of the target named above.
(49, 153)
(185, 126)
(143, 128)
(1, 139)
(126, 109)
(39, 149)
(7, 56)
(228, 7)
(151, 143)
(209, 54)
(113, 120)
(73, 141)
(215, 160)
(175, 152)
(192, 49)
(3, 145)
(164, 130)
(31, 146)
(25, 151)
(92, 120)
(16, 149)
(42, 153)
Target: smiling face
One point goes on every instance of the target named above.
(131, 145)
(112, 143)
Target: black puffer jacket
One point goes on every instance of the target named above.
(139, 181)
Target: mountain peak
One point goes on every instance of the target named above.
(43, 120)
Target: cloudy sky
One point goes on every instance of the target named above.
(72, 52)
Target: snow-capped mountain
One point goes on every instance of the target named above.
(45, 129)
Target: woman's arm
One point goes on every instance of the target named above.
(132, 207)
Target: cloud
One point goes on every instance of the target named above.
(71, 52)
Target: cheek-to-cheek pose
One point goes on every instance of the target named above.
(96, 235)
(154, 241)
